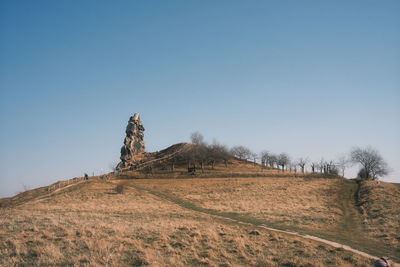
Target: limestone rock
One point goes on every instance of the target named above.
(133, 142)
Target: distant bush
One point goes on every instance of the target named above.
(333, 170)
(362, 174)
(120, 188)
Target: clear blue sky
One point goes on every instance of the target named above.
(311, 78)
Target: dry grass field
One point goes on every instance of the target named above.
(303, 203)
(316, 206)
(90, 224)
(380, 203)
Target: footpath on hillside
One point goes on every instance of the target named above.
(349, 235)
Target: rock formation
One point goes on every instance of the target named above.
(133, 142)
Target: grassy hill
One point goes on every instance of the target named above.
(380, 207)
(219, 217)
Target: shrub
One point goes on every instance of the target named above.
(334, 171)
(362, 174)
(120, 188)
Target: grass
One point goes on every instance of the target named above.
(287, 200)
(319, 206)
(380, 205)
(92, 225)
(160, 217)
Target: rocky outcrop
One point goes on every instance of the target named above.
(133, 142)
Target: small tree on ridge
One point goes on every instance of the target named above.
(373, 165)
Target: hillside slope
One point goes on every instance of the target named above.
(89, 224)
(380, 205)
(316, 206)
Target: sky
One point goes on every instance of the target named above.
(310, 78)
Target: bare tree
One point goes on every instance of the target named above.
(301, 162)
(269, 159)
(327, 167)
(198, 152)
(217, 152)
(321, 165)
(272, 160)
(314, 165)
(254, 157)
(342, 162)
(331, 168)
(264, 157)
(197, 138)
(241, 152)
(373, 165)
(283, 160)
(202, 154)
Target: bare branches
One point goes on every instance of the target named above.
(342, 163)
(218, 152)
(373, 165)
(197, 139)
(301, 162)
(241, 152)
(283, 160)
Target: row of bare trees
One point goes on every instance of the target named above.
(371, 162)
(202, 153)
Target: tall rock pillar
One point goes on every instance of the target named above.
(133, 142)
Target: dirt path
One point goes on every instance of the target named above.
(351, 224)
(351, 230)
(351, 218)
(43, 194)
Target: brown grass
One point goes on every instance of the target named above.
(307, 203)
(91, 225)
(120, 188)
(380, 203)
(316, 206)
(234, 168)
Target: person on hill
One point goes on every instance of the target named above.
(382, 262)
